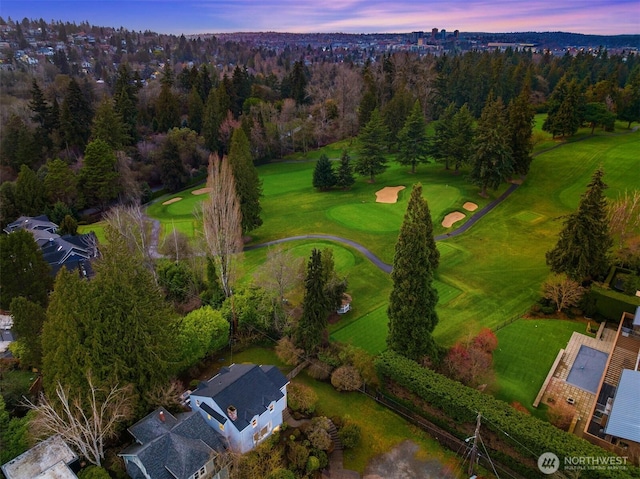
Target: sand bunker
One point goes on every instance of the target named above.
(201, 191)
(388, 194)
(470, 206)
(172, 200)
(452, 218)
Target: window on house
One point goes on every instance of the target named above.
(200, 473)
(254, 423)
(221, 426)
(271, 407)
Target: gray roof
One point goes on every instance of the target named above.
(624, 420)
(44, 459)
(37, 223)
(174, 448)
(248, 387)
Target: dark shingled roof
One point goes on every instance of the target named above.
(176, 448)
(248, 387)
(213, 413)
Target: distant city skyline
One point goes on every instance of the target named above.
(598, 17)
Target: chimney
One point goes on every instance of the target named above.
(232, 412)
(161, 416)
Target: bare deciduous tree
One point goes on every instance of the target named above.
(166, 395)
(281, 272)
(564, 292)
(85, 423)
(624, 216)
(136, 228)
(222, 221)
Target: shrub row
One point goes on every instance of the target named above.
(529, 435)
(611, 304)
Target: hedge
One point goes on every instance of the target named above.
(611, 304)
(529, 434)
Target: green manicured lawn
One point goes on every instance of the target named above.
(489, 274)
(526, 351)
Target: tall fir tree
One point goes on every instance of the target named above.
(28, 318)
(248, 183)
(108, 125)
(565, 103)
(344, 173)
(172, 171)
(167, 108)
(310, 329)
(196, 110)
(373, 144)
(492, 159)
(125, 102)
(412, 139)
(324, 177)
(30, 193)
(211, 121)
(461, 143)
(440, 145)
(582, 251)
(75, 117)
(521, 120)
(99, 177)
(412, 303)
(24, 271)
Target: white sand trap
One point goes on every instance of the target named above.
(388, 194)
(452, 218)
(470, 206)
(172, 200)
(201, 191)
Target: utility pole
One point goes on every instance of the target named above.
(474, 448)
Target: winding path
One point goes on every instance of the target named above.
(372, 257)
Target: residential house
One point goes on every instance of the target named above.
(72, 252)
(243, 402)
(174, 447)
(51, 458)
(613, 422)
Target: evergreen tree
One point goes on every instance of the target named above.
(108, 125)
(167, 108)
(211, 121)
(204, 82)
(214, 294)
(565, 109)
(585, 240)
(196, 110)
(311, 326)
(440, 146)
(75, 117)
(172, 171)
(41, 116)
(298, 82)
(8, 209)
(372, 160)
(117, 325)
(395, 114)
(125, 102)
(60, 183)
(461, 143)
(324, 177)
(28, 318)
(492, 159)
(412, 303)
(369, 101)
(98, 176)
(344, 175)
(412, 139)
(521, 120)
(24, 271)
(30, 194)
(248, 183)
(628, 105)
(18, 146)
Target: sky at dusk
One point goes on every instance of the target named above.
(605, 17)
